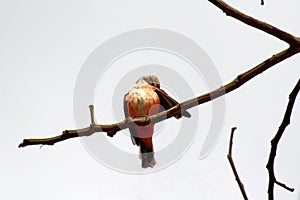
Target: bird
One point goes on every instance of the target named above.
(146, 98)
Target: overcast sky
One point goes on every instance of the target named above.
(43, 45)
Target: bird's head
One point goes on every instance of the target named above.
(150, 79)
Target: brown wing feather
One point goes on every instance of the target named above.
(168, 102)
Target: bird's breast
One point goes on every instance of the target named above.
(142, 101)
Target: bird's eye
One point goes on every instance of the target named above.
(152, 84)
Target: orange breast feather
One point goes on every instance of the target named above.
(143, 101)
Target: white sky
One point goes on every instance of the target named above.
(43, 46)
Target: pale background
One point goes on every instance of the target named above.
(42, 47)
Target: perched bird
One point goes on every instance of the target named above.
(143, 99)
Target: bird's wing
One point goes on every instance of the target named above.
(135, 140)
(168, 102)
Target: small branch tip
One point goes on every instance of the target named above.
(284, 186)
(92, 115)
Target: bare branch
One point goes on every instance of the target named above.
(274, 143)
(229, 156)
(112, 129)
(272, 30)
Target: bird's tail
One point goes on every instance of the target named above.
(147, 153)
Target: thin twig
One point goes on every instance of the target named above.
(229, 156)
(284, 186)
(274, 143)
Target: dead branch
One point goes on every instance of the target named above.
(241, 79)
(274, 143)
(229, 156)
